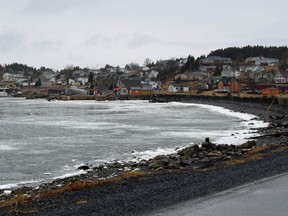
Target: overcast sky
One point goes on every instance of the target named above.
(91, 33)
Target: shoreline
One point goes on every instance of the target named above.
(156, 178)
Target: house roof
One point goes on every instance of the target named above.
(284, 74)
(100, 88)
(179, 85)
(132, 83)
(3, 83)
(226, 80)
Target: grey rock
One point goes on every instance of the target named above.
(249, 144)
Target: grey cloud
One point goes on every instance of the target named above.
(44, 7)
(93, 40)
(46, 45)
(58, 6)
(140, 40)
(9, 41)
(97, 40)
(194, 44)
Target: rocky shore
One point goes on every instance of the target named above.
(135, 188)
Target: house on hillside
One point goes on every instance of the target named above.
(150, 85)
(16, 76)
(182, 61)
(81, 80)
(281, 77)
(230, 72)
(99, 90)
(229, 84)
(214, 60)
(113, 80)
(129, 87)
(26, 83)
(261, 76)
(7, 85)
(153, 74)
(260, 60)
(178, 88)
(197, 75)
(80, 73)
(251, 68)
(181, 76)
(130, 76)
(211, 82)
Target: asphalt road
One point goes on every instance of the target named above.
(265, 197)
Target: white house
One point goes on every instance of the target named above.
(15, 77)
(177, 88)
(260, 60)
(150, 85)
(252, 68)
(81, 80)
(281, 77)
(182, 61)
(230, 73)
(181, 76)
(63, 81)
(153, 74)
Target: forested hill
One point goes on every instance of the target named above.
(241, 53)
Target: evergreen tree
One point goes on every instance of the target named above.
(38, 83)
(218, 70)
(240, 54)
(91, 78)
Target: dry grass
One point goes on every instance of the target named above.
(72, 186)
(18, 198)
(280, 149)
(85, 184)
(80, 202)
(254, 154)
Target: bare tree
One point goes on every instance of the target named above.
(147, 61)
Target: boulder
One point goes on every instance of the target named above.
(207, 144)
(184, 161)
(214, 153)
(174, 166)
(285, 124)
(156, 165)
(189, 151)
(247, 145)
(83, 167)
(159, 161)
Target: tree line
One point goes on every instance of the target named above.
(241, 53)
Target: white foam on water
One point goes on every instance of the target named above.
(148, 154)
(76, 173)
(19, 184)
(6, 148)
(241, 133)
(8, 186)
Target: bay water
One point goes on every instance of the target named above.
(41, 140)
